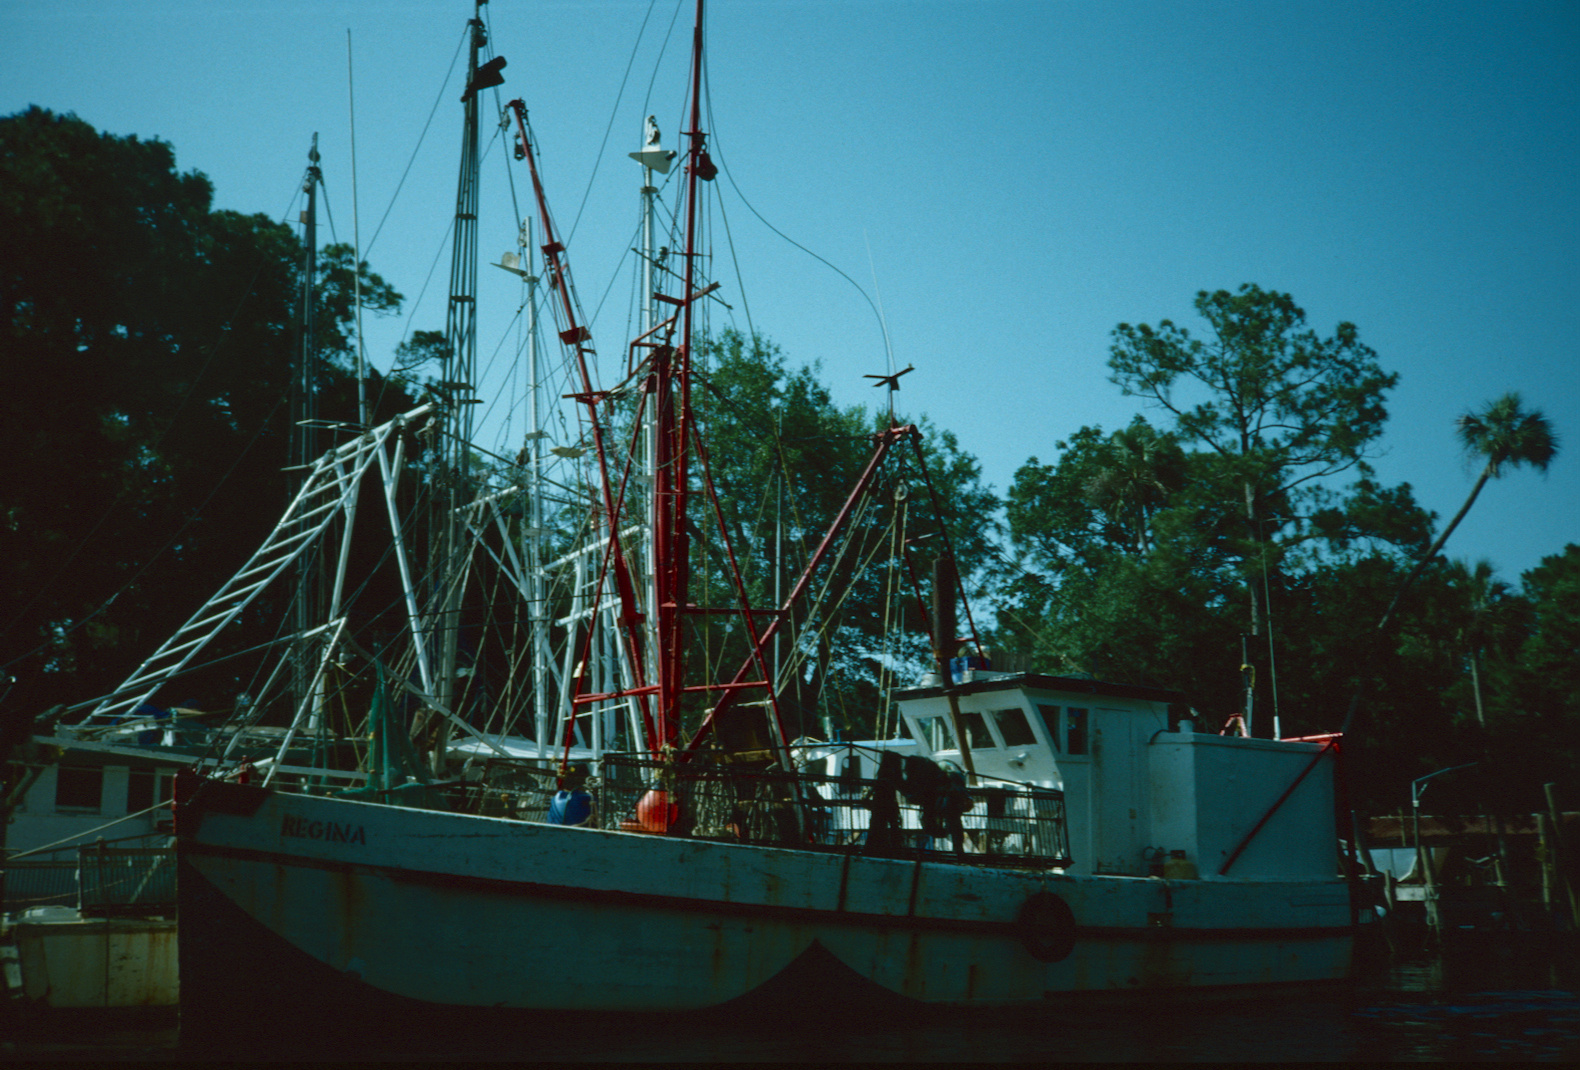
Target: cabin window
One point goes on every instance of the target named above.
(141, 785)
(1013, 728)
(1075, 730)
(936, 733)
(976, 730)
(79, 789)
(1050, 725)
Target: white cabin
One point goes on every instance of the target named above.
(1138, 786)
(95, 789)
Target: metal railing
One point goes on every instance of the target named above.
(39, 884)
(100, 881)
(126, 880)
(997, 823)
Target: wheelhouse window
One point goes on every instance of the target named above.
(1075, 730)
(144, 787)
(976, 730)
(1013, 729)
(936, 734)
(1050, 726)
(79, 789)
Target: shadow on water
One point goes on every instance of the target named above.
(1487, 997)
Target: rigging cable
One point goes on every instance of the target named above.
(412, 159)
(657, 63)
(420, 137)
(624, 78)
(363, 416)
(718, 157)
(891, 588)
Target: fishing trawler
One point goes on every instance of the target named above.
(1040, 836)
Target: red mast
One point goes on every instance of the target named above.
(577, 336)
(672, 375)
(676, 440)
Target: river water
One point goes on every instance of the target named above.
(1490, 997)
(1484, 1000)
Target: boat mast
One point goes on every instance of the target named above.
(304, 436)
(537, 588)
(578, 340)
(447, 565)
(672, 369)
(653, 157)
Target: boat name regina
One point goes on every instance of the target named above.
(333, 831)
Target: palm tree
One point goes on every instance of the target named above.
(1139, 469)
(1506, 436)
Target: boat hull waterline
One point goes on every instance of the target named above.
(462, 911)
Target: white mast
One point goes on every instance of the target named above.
(652, 157)
(538, 616)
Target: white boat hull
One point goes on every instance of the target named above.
(458, 911)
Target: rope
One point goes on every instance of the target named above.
(78, 836)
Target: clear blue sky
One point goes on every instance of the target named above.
(1025, 174)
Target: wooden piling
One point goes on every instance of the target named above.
(1500, 870)
(1544, 856)
(1558, 855)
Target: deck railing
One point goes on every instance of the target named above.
(100, 881)
(32, 883)
(993, 823)
(127, 880)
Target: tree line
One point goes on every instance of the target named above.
(1239, 548)
(1245, 553)
(148, 347)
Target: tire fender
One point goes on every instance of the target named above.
(1047, 927)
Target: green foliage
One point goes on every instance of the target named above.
(147, 341)
(1135, 477)
(1506, 434)
(1502, 434)
(1050, 517)
(1100, 496)
(1541, 690)
(423, 349)
(1284, 410)
(1466, 636)
(1139, 549)
(338, 290)
(1293, 406)
(783, 459)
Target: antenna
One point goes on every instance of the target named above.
(304, 419)
(893, 382)
(883, 322)
(356, 238)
